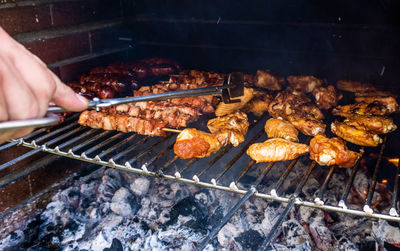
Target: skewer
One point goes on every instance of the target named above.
(172, 130)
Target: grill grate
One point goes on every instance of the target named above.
(153, 156)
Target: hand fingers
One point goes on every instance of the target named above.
(67, 98)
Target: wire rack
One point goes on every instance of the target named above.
(225, 170)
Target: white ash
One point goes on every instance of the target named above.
(113, 210)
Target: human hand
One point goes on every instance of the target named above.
(27, 86)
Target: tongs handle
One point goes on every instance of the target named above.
(49, 120)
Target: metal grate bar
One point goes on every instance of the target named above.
(82, 145)
(140, 154)
(219, 155)
(168, 163)
(321, 192)
(282, 217)
(16, 142)
(245, 170)
(240, 153)
(342, 201)
(49, 135)
(264, 172)
(116, 147)
(104, 143)
(37, 150)
(393, 211)
(76, 139)
(130, 148)
(274, 191)
(160, 154)
(227, 217)
(372, 185)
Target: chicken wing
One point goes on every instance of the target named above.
(362, 108)
(389, 102)
(279, 128)
(308, 126)
(276, 150)
(229, 128)
(332, 151)
(259, 103)
(376, 124)
(354, 86)
(224, 109)
(192, 143)
(305, 83)
(357, 136)
(267, 80)
(326, 97)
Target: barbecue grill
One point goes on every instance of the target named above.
(216, 39)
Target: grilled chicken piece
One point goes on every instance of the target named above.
(376, 93)
(276, 150)
(267, 80)
(354, 86)
(192, 143)
(279, 128)
(229, 128)
(305, 83)
(362, 108)
(332, 151)
(357, 136)
(259, 103)
(123, 123)
(307, 126)
(376, 124)
(389, 102)
(224, 109)
(326, 97)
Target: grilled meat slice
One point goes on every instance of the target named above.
(192, 143)
(91, 90)
(307, 126)
(279, 128)
(332, 151)
(119, 83)
(326, 97)
(112, 70)
(376, 124)
(354, 86)
(259, 103)
(389, 102)
(229, 128)
(223, 109)
(305, 83)
(267, 80)
(362, 108)
(276, 150)
(357, 136)
(123, 123)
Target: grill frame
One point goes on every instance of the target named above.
(119, 140)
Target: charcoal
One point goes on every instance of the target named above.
(124, 203)
(295, 235)
(115, 246)
(250, 240)
(140, 186)
(189, 207)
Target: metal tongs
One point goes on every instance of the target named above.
(231, 91)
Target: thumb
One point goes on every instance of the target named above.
(67, 98)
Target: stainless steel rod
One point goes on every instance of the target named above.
(395, 190)
(88, 142)
(285, 174)
(326, 181)
(104, 143)
(16, 142)
(371, 188)
(278, 223)
(342, 201)
(227, 217)
(264, 172)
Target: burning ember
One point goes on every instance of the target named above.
(113, 210)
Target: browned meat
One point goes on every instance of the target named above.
(332, 151)
(388, 101)
(305, 83)
(377, 124)
(119, 83)
(358, 136)
(278, 128)
(229, 128)
(354, 86)
(267, 80)
(362, 108)
(91, 90)
(326, 97)
(192, 143)
(259, 103)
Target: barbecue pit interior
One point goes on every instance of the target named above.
(72, 187)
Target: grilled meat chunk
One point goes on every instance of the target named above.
(276, 150)
(223, 109)
(389, 102)
(119, 83)
(354, 86)
(229, 128)
(123, 123)
(362, 108)
(305, 83)
(259, 103)
(267, 80)
(326, 97)
(192, 143)
(279, 128)
(376, 124)
(357, 136)
(332, 151)
(308, 126)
